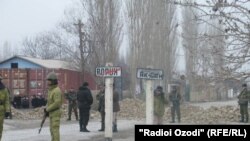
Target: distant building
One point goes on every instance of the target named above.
(26, 76)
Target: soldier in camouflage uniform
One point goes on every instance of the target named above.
(101, 106)
(71, 96)
(116, 108)
(4, 105)
(175, 98)
(243, 102)
(53, 109)
(159, 105)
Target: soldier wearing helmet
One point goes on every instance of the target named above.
(53, 108)
(4, 104)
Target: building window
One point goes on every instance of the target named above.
(14, 65)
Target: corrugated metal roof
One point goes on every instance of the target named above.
(51, 64)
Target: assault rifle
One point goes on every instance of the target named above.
(45, 115)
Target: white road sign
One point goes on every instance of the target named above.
(108, 71)
(150, 74)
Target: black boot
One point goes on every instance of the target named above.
(242, 119)
(102, 127)
(80, 125)
(81, 129)
(246, 119)
(172, 115)
(115, 128)
(85, 129)
(179, 120)
(173, 120)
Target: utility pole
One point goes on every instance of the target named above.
(81, 35)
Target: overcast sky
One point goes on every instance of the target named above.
(26, 18)
(21, 18)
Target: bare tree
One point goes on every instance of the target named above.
(42, 46)
(190, 41)
(223, 36)
(105, 29)
(85, 44)
(152, 31)
(233, 22)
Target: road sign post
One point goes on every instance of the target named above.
(108, 72)
(149, 74)
(108, 108)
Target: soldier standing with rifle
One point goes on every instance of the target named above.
(71, 96)
(4, 105)
(53, 109)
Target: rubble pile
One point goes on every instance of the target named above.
(36, 113)
(212, 115)
(136, 109)
(132, 109)
(18, 114)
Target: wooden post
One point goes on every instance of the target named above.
(109, 107)
(149, 103)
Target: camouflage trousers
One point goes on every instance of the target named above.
(72, 107)
(244, 112)
(175, 110)
(54, 128)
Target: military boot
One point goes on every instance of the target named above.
(76, 115)
(242, 119)
(173, 119)
(179, 120)
(246, 119)
(81, 129)
(102, 127)
(84, 128)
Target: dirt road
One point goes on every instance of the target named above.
(26, 130)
